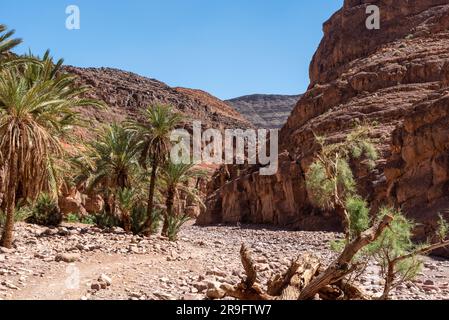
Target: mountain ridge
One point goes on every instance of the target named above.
(269, 111)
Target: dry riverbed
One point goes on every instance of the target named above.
(83, 262)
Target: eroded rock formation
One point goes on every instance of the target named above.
(396, 79)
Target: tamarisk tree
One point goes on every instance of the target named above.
(330, 182)
(385, 238)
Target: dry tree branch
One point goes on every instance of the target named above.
(339, 268)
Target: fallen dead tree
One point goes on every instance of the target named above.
(305, 278)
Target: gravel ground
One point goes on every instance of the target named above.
(83, 262)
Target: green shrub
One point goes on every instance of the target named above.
(72, 218)
(46, 211)
(104, 219)
(139, 216)
(88, 220)
(21, 214)
(174, 225)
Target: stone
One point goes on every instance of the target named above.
(95, 286)
(217, 273)
(201, 286)
(7, 250)
(164, 296)
(105, 279)
(429, 283)
(9, 285)
(192, 297)
(215, 293)
(50, 232)
(68, 257)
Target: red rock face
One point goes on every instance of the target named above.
(396, 78)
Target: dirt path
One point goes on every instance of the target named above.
(142, 268)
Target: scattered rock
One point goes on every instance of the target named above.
(6, 250)
(164, 296)
(429, 283)
(68, 257)
(215, 293)
(9, 285)
(95, 286)
(105, 279)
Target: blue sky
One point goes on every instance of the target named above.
(226, 47)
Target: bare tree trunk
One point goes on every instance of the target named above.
(10, 199)
(344, 215)
(389, 279)
(126, 219)
(342, 266)
(150, 207)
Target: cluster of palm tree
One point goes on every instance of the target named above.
(124, 163)
(38, 103)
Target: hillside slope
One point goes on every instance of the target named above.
(127, 94)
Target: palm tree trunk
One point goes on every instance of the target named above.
(10, 199)
(169, 212)
(126, 219)
(150, 206)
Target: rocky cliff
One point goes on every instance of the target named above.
(395, 78)
(266, 111)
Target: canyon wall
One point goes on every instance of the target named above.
(395, 79)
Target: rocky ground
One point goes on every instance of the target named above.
(84, 262)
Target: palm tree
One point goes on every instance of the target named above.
(110, 165)
(126, 201)
(176, 178)
(34, 114)
(154, 136)
(115, 157)
(6, 42)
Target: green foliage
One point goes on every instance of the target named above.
(409, 269)
(22, 213)
(7, 43)
(105, 219)
(175, 223)
(320, 187)
(397, 239)
(88, 220)
(74, 218)
(330, 177)
(338, 245)
(359, 215)
(154, 134)
(395, 242)
(113, 162)
(139, 216)
(46, 211)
